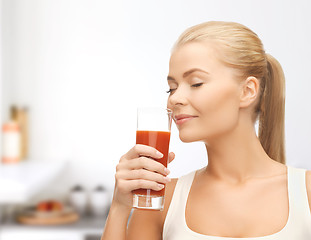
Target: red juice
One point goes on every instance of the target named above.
(160, 141)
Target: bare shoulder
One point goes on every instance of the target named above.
(308, 183)
(148, 224)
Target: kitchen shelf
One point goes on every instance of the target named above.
(20, 181)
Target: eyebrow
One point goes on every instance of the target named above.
(186, 74)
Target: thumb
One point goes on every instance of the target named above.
(171, 157)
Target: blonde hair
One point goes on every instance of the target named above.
(242, 49)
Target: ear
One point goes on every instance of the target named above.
(249, 91)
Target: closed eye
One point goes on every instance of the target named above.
(197, 85)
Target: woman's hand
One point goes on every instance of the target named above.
(138, 169)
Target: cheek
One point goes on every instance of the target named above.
(220, 110)
(217, 100)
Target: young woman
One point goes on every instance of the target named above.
(220, 82)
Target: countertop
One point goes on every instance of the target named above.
(88, 227)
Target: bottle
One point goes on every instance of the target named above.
(20, 116)
(11, 142)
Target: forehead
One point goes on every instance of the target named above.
(203, 55)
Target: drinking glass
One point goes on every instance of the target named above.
(153, 129)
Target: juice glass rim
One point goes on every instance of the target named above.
(170, 111)
(155, 110)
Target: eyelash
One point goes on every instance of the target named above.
(170, 90)
(194, 85)
(197, 85)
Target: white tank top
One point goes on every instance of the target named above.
(298, 226)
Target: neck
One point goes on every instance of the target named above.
(238, 156)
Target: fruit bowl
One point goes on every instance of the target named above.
(47, 213)
(33, 212)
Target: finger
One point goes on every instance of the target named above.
(171, 157)
(140, 183)
(144, 175)
(142, 162)
(148, 164)
(143, 150)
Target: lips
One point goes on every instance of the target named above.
(182, 118)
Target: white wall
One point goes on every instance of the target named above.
(83, 66)
(1, 98)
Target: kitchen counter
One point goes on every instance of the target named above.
(87, 228)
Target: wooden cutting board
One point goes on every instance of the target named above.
(51, 220)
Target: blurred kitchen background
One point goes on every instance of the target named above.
(73, 73)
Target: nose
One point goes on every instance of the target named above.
(178, 97)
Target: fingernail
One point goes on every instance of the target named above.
(160, 155)
(160, 185)
(166, 170)
(167, 179)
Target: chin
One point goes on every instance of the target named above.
(188, 138)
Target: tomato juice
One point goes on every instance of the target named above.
(160, 141)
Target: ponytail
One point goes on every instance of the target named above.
(272, 111)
